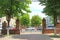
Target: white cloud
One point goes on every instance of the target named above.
(35, 5)
(34, 0)
(38, 13)
(36, 9)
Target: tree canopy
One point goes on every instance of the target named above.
(25, 20)
(14, 7)
(36, 20)
(52, 7)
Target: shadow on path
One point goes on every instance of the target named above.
(1, 36)
(52, 36)
(32, 37)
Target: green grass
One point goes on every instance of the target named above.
(54, 36)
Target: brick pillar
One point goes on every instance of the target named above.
(43, 25)
(4, 26)
(17, 27)
(17, 24)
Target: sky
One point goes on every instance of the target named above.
(36, 9)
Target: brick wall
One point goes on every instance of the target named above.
(16, 31)
(52, 30)
(48, 31)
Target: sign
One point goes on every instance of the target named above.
(49, 24)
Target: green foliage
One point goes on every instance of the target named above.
(52, 7)
(36, 20)
(14, 7)
(25, 20)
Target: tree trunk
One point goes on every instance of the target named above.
(36, 28)
(8, 20)
(8, 28)
(55, 21)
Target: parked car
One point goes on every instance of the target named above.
(30, 29)
(39, 28)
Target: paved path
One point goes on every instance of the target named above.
(32, 37)
(28, 36)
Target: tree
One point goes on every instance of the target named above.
(25, 20)
(52, 9)
(11, 8)
(35, 21)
